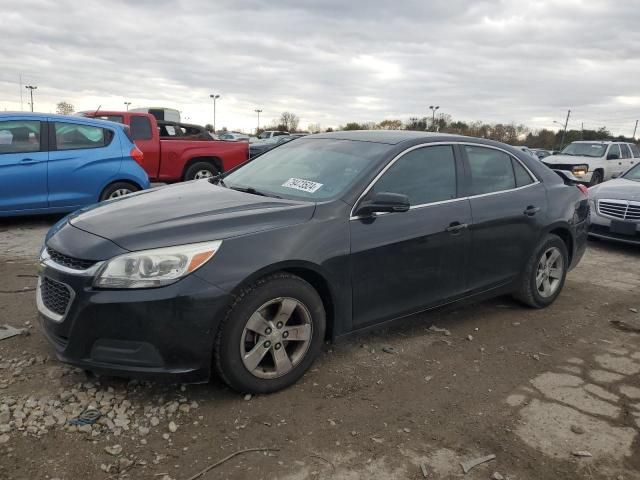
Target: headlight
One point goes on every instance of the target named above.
(155, 268)
(580, 170)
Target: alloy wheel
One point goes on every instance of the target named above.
(121, 192)
(276, 338)
(202, 174)
(549, 272)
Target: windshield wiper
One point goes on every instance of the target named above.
(253, 191)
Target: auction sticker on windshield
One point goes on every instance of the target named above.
(304, 185)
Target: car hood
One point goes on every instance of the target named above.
(619, 188)
(570, 159)
(186, 213)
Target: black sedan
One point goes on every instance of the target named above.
(248, 274)
(615, 208)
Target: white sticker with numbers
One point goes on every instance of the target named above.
(304, 185)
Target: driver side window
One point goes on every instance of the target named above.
(425, 175)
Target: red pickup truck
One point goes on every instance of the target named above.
(172, 155)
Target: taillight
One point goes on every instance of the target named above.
(583, 189)
(137, 155)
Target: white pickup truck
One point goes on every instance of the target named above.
(593, 162)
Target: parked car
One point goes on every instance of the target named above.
(541, 152)
(261, 146)
(615, 208)
(176, 159)
(527, 150)
(234, 137)
(55, 163)
(595, 161)
(316, 239)
(272, 133)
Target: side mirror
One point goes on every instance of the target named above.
(384, 202)
(613, 156)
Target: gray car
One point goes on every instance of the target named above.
(615, 208)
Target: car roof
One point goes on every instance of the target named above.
(55, 116)
(390, 137)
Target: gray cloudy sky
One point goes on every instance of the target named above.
(331, 61)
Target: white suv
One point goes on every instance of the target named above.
(595, 161)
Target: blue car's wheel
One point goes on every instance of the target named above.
(118, 189)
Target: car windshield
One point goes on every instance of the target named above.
(633, 174)
(309, 169)
(585, 149)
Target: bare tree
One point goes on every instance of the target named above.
(64, 108)
(290, 121)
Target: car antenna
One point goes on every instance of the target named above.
(97, 110)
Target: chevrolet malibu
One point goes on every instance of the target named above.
(248, 273)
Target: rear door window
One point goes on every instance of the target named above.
(491, 170)
(614, 150)
(523, 177)
(74, 136)
(19, 136)
(425, 175)
(140, 128)
(626, 153)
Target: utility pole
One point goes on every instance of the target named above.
(433, 116)
(634, 130)
(20, 80)
(258, 111)
(564, 132)
(127, 105)
(214, 96)
(31, 88)
(582, 131)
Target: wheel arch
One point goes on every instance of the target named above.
(119, 180)
(309, 272)
(564, 232)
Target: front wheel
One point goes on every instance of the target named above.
(596, 178)
(118, 189)
(544, 274)
(271, 334)
(199, 171)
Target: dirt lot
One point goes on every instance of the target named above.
(530, 387)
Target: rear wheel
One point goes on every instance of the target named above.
(200, 170)
(271, 335)
(544, 274)
(118, 189)
(596, 178)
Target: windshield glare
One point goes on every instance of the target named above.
(585, 149)
(633, 174)
(309, 169)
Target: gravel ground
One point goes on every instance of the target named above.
(552, 394)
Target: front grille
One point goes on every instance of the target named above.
(55, 295)
(69, 262)
(622, 209)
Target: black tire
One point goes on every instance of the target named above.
(528, 291)
(596, 178)
(198, 169)
(227, 349)
(118, 189)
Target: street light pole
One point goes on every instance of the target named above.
(564, 132)
(433, 116)
(258, 111)
(31, 88)
(214, 96)
(127, 105)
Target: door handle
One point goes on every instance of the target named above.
(531, 210)
(28, 161)
(455, 227)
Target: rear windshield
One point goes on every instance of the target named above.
(313, 169)
(585, 149)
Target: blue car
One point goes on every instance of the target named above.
(56, 163)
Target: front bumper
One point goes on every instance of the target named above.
(163, 333)
(601, 228)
